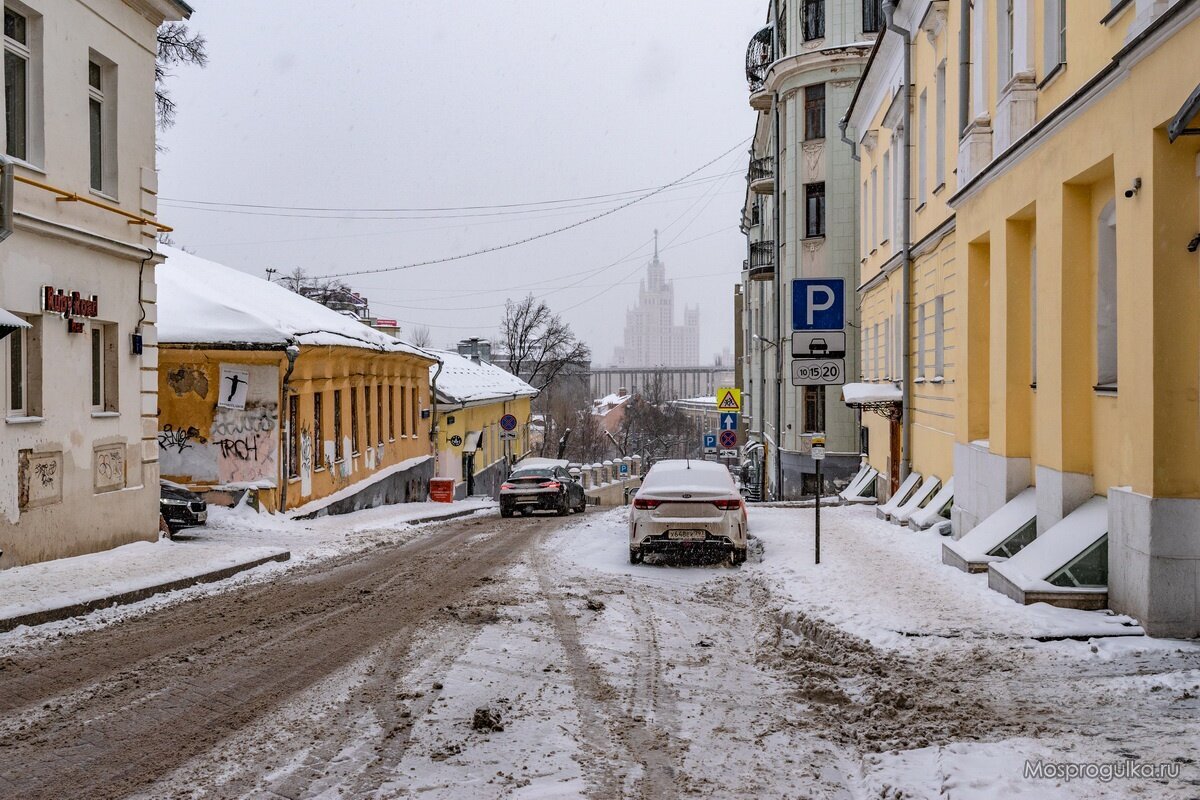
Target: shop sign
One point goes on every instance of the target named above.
(69, 305)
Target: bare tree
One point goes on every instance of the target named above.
(177, 44)
(540, 346)
(421, 336)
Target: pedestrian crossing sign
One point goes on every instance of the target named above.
(729, 399)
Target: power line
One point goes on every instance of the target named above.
(544, 234)
(429, 209)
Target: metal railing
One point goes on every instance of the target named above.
(762, 168)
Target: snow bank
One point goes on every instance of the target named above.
(871, 393)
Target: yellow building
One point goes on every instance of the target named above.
(262, 389)
(1064, 248)
(907, 273)
(473, 397)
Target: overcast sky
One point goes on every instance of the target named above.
(379, 104)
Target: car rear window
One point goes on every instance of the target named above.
(699, 474)
(533, 473)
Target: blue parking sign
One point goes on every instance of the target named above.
(819, 304)
(710, 441)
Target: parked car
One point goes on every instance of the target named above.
(541, 485)
(688, 507)
(180, 507)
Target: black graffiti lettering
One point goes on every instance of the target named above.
(181, 440)
(243, 449)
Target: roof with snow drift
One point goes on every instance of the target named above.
(203, 302)
(465, 381)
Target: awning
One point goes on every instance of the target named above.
(10, 322)
(471, 443)
(884, 399)
(1188, 112)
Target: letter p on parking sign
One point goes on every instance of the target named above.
(819, 304)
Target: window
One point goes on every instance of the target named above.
(339, 450)
(872, 16)
(1033, 315)
(814, 409)
(367, 410)
(886, 212)
(939, 336)
(814, 111)
(886, 350)
(814, 19)
(1054, 34)
(1106, 297)
(781, 41)
(922, 146)
(293, 421)
(814, 209)
(391, 413)
(102, 124)
(1008, 43)
(921, 340)
(874, 239)
(379, 414)
(96, 124)
(17, 71)
(18, 373)
(875, 353)
(354, 421)
(318, 434)
(940, 131)
(403, 411)
(416, 410)
(104, 367)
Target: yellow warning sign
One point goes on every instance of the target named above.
(729, 399)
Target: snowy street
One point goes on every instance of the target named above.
(486, 658)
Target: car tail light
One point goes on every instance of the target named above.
(645, 504)
(507, 486)
(551, 485)
(727, 505)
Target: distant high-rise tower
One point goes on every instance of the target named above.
(652, 339)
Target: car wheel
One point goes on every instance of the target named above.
(506, 512)
(564, 507)
(525, 512)
(163, 528)
(737, 556)
(635, 555)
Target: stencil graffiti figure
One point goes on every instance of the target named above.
(235, 380)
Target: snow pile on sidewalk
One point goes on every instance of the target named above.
(888, 584)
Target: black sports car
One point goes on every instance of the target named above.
(180, 507)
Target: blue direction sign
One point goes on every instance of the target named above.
(710, 441)
(819, 304)
(508, 422)
(729, 422)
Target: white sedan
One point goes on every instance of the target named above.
(688, 507)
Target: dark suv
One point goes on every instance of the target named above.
(180, 507)
(542, 487)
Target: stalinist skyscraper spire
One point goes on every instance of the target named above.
(652, 339)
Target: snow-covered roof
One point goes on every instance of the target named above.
(203, 302)
(607, 403)
(871, 393)
(465, 381)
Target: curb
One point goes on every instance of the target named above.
(124, 598)
(449, 515)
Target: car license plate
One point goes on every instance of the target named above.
(686, 536)
(201, 516)
(526, 499)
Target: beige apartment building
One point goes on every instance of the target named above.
(78, 455)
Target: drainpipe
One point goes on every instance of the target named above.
(964, 66)
(777, 286)
(433, 411)
(292, 352)
(889, 11)
(842, 123)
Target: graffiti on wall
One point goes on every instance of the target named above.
(171, 438)
(306, 461)
(246, 443)
(39, 479)
(108, 468)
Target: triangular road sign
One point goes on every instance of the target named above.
(729, 400)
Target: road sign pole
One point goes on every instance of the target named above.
(817, 520)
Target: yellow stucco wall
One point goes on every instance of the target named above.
(482, 417)
(203, 445)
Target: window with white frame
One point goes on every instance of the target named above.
(939, 337)
(940, 126)
(1008, 39)
(1054, 34)
(887, 197)
(1106, 297)
(886, 350)
(875, 352)
(921, 341)
(922, 145)
(898, 346)
(874, 207)
(102, 128)
(104, 367)
(21, 364)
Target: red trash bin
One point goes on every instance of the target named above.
(441, 490)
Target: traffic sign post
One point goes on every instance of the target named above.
(508, 422)
(710, 442)
(818, 372)
(727, 439)
(819, 332)
(819, 304)
(818, 455)
(819, 344)
(729, 399)
(729, 422)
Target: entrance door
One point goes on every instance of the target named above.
(894, 456)
(469, 472)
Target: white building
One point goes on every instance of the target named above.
(78, 453)
(652, 339)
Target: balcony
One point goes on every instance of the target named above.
(762, 261)
(762, 175)
(759, 55)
